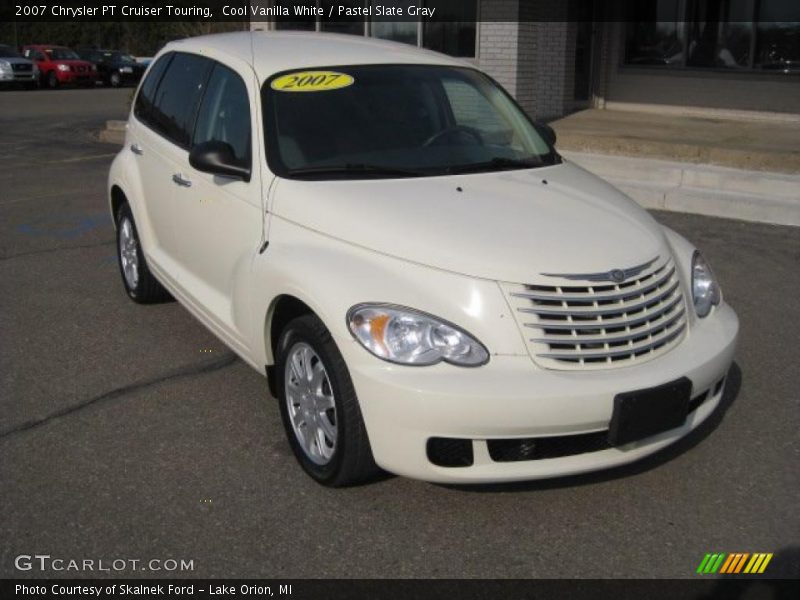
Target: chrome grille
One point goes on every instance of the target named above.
(601, 324)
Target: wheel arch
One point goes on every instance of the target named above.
(116, 199)
(282, 310)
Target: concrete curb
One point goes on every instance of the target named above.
(114, 133)
(759, 196)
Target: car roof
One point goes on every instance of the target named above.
(274, 51)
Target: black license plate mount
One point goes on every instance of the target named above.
(643, 413)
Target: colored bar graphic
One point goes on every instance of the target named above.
(753, 561)
(727, 564)
(740, 564)
(736, 557)
(718, 563)
(764, 564)
(734, 563)
(703, 563)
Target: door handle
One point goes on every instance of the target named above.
(137, 149)
(181, 180)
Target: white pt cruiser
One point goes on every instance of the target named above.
(428, 286)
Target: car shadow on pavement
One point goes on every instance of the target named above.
(731, 393)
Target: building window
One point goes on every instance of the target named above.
(294, 21)
(406, 31)
(455, 33)
(353, 25)
(715, 34)
(777, 41)
(653, 36)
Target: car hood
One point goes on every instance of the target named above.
(16, 61)
(509, 226)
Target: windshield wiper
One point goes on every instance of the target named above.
(498, 162)
(349, 168)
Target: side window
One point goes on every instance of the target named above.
(224, 115)
(177, 97)
(144, 100)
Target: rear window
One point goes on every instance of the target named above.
(177, 96)
(144, 100)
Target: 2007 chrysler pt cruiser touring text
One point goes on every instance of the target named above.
(430, 288)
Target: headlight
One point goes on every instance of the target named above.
(35, 69)
(409, 337)
(5, 66)
(705, 289)
(93, 67)
(63, 67)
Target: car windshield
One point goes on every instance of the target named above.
(395, 121)
(62, 54)
(119, 57)
(8, 52)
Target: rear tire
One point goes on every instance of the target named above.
(140, 285)
(319, 407)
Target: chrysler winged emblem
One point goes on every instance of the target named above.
(614, 275)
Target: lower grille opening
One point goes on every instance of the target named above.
(450, 452)
(695, 402)
(514, 450)
(455, 452)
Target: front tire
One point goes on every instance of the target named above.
(140, 285)
(319, 407)
(115, 80)
(52, 80)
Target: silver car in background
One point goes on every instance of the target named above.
(15, 69)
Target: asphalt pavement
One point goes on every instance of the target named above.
(130, 432)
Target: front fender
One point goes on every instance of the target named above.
(331, 276)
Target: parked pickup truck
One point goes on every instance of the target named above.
(14, 69)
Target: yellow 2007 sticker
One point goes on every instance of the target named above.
(312, 81)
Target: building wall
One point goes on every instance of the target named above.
(498, 48)
(533, 60)
(694, 89)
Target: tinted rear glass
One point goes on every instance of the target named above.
(144, 101)
(177, 97)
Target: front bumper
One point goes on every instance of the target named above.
(404, 407)
(70, 77)
(18, 76)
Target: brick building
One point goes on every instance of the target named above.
(712, 57)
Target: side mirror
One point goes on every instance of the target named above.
(547, 132)
(217, 158)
